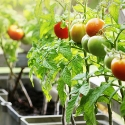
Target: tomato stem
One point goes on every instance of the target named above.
(116, 40)
(109, 113)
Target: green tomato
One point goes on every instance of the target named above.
(27, 39)
(96, 45)
(77, 32)
(84, 42)
(108, 59)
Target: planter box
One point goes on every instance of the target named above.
(56, 120)
(8, 115)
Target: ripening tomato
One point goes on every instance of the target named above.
(118, 68)
(96, 45)
(27, 39)
(77, 31)
(108, 59)
(61, 32)
(84, 42)
(15, 32)
(93, 26)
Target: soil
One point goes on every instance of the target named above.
(21, 105)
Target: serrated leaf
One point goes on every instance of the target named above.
(61, 91)
(49, 64)
(52, 54)
(79, 76)
(75, 89)
(97, 92)
(66, 76)
(109, 92)
(65, 50)
(77, 64)
(114, 11)
(87, 109)
(84, 89)
(89, 114)
(103, 99)
(46, 87)
(70, 106)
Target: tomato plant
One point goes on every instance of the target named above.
(60, 31)
(65, 63)
(77, 31)
(96, 45)
(15, 32)
(118, 68)
(93, 26)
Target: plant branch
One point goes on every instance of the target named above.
(121, 90)
(5, 56)
(63, 115)
(72, 118)
(116, 39)
(110, 114)
(17, 81)
(26, 94)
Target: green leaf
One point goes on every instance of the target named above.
(97, 92)
(109, 91)
(79, 76)
(78, 8)
(38, 8)
(61, 91)
(47, 4)
(66, 76)
(49, 64)
(121, 45)
(84, 89)
(70, 106)
(77, 64)
(87, 109)
(65, 50)
(46, 87)
(89, 114)
(103, 99)
(114, 11)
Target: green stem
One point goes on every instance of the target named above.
(122, 93)
(5, 56)
(103, 14)
(121, 90)
(110, 114)
(116, 39)
(109, 107)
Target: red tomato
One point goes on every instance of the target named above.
(118, 68)
(93, 26)
(15, 32)
(61, 32)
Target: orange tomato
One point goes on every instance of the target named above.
(15, 32)
(93, 26)
(118, 68)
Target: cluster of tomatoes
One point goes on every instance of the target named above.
(90, 36)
